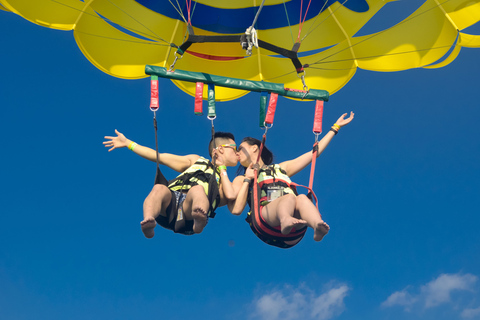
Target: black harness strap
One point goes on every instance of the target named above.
(159, 177)
(213, 192)
(291, 54)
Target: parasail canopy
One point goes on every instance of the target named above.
(120, 37)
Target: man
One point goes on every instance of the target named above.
(186, 203)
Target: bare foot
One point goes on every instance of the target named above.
(148, 226)
(289, 223)
(320, 231)
(199, 220)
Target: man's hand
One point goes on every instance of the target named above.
(116, 142)
(218, 158)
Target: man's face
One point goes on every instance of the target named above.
(228, 150)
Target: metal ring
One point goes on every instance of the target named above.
(211, 118)
(266, 125)
(303, 75)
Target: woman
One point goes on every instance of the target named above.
(283, 216)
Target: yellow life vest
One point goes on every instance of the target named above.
(203, 173)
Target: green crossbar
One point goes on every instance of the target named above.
(248, 85)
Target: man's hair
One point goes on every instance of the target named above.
(218, 137)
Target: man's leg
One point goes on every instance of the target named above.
(154, 205)
(196, 207)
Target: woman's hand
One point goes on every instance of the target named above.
(249, 172)
(343, 122)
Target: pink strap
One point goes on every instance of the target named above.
(154, 94)
(272, 105)
(317, 122)
(199, 99)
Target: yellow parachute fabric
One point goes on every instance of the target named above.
(120, 37)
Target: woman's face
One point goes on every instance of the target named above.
(245, 153)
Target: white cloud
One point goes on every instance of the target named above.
(435, 293)
(471, 313)
(301, 303)
(330, 303)
(400, 298)
(439, 290)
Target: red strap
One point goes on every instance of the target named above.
(272, 105)
(312, 167)
(154, 93)
(256, 199)
(310, 192)
(317, 122)
(199, 99)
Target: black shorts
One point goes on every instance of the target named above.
(175, 219)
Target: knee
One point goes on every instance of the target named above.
(198, 189)
(160, 189)
(289, 198)
(301, 198)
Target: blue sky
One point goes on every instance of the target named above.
(399, 187)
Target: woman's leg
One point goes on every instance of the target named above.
(308, 211)
(280, 212)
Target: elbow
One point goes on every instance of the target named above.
(230, 197)
(235, 211)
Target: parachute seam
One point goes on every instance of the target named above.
(124, 40)
(347, 37)
(379, 55)
(81, 12)
(152, 32)
(378, 33)
(446, 15)
(169, 51)
(156, 38)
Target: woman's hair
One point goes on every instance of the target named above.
(267, 155)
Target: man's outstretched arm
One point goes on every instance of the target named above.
(175, 162)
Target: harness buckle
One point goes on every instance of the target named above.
(174, 61)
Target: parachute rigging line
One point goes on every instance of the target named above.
(136, 20)
(152, 35)
(189, 6)
(288, 20)
(310, 30)
(258, 13)
(438, 5)
(370, 57)
(300, 24)
(179, 11)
